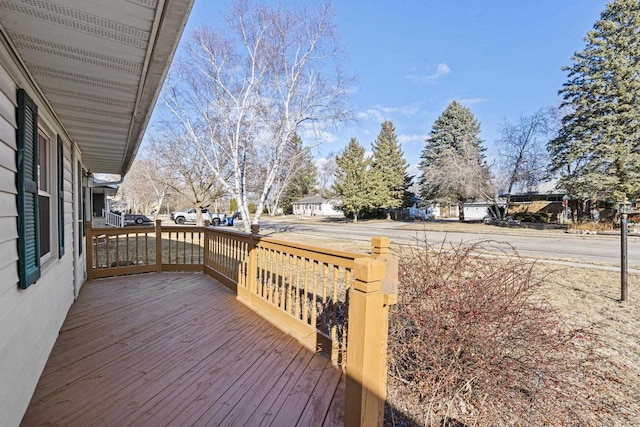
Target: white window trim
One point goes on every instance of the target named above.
(51, 139)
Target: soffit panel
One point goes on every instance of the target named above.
(88, 58)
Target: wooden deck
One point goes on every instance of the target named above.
(179, 349)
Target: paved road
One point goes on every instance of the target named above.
(588, 249)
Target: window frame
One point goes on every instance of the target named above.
(45, 158)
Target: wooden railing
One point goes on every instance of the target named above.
(113, 219)
(331, 301)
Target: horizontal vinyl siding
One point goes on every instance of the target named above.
(30, 319)
(8, 191)
(68, 200)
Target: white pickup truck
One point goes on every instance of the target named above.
(190, 215)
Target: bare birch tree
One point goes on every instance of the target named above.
(243, 90)
(523, 155)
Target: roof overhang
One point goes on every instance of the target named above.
(100, 65)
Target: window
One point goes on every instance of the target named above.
(44, 195)
(40, 192)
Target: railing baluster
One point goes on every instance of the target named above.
(126, 248)
(305, 291)
(314, 294)
(106, 248)
(191, 249)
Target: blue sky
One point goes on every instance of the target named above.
(501, 58)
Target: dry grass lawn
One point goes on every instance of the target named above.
(587, 298)
(591, 298)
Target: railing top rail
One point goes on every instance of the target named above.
(110, 231)
(327, 255)
(182, 228)
(232, 233)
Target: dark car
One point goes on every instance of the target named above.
(137, 219)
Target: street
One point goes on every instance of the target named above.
(576, 249)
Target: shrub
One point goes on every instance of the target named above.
(472, 343)
(532, 216)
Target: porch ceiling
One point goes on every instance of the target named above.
(100, 64)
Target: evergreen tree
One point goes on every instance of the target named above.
(595, 151)
(304, 181)
(295, 181)
(356, 184)
(390, 165)
(408, 196)
(452, 162)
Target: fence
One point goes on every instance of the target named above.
(331, 301)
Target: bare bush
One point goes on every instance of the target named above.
(471, 342)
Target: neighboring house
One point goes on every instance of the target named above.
(314, 205)
(547, 199)
(78, 82)
(101, 192)
(473, 211)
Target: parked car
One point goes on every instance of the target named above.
(190, 215)
(137, 219)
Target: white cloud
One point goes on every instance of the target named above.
(380, 113)
(313, 134)
(404, 139)
(407, 110)
(442, 69)
(467, 102)
(371, 114)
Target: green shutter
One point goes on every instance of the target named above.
(27, 160)
(60, 165)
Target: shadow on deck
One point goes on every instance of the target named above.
(178, 349)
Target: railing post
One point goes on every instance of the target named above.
(252, 263)
(89, 248)
(159, 245)
(366, 346)
(380, 251)
(379, 246)
(205, 237)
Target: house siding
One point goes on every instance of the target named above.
(30, 319)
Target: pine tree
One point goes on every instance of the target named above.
(305, 179)
(297, 180)
(452, 162)
(356, 185)
(595, 151)
(389, 163)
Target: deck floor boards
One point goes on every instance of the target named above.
(179, 349)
